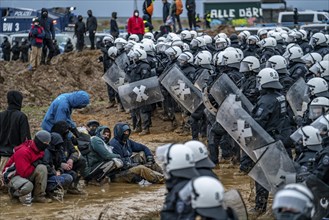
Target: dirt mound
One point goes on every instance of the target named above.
(227, 29)
(68, 72)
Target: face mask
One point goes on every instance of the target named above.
(44, 14)
(136, 14)
(125, 137)
(41, 146)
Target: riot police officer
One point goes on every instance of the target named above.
(25, 46)
(319, 43)
(6, 49)
(15, 50)
(243, 36)
(79, 32)
(267, 49)
(252, 46)
(297, 67)
(269, 112)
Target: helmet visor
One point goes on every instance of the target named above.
(245, 66)
(315, 111)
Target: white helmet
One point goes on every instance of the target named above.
(161, 39)
(139, 54)
(277, 36)
(149, 35)
(185, 57)
(295, 197)
(199, 42)
(321, 69)
(108, 39)
(240, 52)
(311, 138)
(134, 37)
(222, 35)
(177, 43)
(179, 161)
(326, 57)
(207, 39)
(278, 29)
(250, 64)
(130, 44)
(171, 37)
(311, 58)
(207, 196)
(318, 39)
(267, 42)
(268, 78)
(186, 47)
(186, 35)
(231, 58)
(243, 36)
(112, 52)
(319, 106)
(253, 39)
(304, 34)
(221, 43)
(173, 52)
(262, 32)
(291, 45)
(277, 62)
(148, 46)
(194, 34)
(203, 58)
(293, 53)
(200, 153)
(218, 59)
(318, 87)
(120, 43)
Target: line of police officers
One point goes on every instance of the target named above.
(263, 66)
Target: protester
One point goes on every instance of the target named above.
(48, 48)
(114, 29)
(36, 36)
(91, 28)
(79, 32)
(136, 25)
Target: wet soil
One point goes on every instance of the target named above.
(75, 71)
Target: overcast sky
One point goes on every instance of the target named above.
(104, 8)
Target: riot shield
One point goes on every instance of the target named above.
(115, 77)
(277, 166)
(242, 127)
(181, 89)
(297, 97)
(200, 82)
(122, 61)
(320, 192)
(140, 93)
(234, 200)
(320, 123)
(225, 86)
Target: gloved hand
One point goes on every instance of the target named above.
(100, 59)
(299, 120)
(150, 159)
(75, 132)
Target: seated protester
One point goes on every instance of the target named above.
(135, 167)
(203, 164)
(53, 158)
(294, 201)
(179, 169)
(68, 46)
(74, 164)
(101, 160)
(61, 109)
(206, 196)
(92, 125)
(23, 171)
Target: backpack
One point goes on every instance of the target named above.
(179, 7)
(84, 143)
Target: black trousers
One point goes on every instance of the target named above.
(191, 19)
(48, 46)
(92, 39)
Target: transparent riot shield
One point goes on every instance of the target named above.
(278, 169)
(225, 86)
(242, 127)
(320, 192)
(122, 61)
(181, 89)
(140, 93)
(297, 97)
(115, 77)
(200, 82)
(321, 123)
(234, 200)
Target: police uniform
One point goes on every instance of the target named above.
(322, 165)
(321, 50)
(270, 113)
(297, 69)
(6, 49)
(306, 163)
(266, 54)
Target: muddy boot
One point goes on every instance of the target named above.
(120, 108)
(111, 104)
(137, 130)
(74, 190)
(144, 132)
(42, 199)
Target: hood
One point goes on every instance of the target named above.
(135, 12)
(61, 127)
(100, 131)
(90, 13)
(56, 139)
(119, 128)
(79, 99)
(14, 99)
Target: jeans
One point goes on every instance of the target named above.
(64, 180)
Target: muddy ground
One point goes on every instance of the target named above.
(75, 71)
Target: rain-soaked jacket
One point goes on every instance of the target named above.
(126, 148)
(61, 108)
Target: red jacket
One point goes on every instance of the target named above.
(135, 25)
(23, 157)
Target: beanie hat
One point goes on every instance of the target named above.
(43, 136)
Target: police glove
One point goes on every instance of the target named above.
(298, 120)
(150, 159)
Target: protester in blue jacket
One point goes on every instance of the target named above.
(61, 109)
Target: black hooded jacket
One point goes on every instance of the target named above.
(14, 125)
